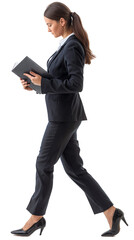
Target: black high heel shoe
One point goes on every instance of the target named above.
(117, 217)
(38, 225)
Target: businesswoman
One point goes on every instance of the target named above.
(65, 113)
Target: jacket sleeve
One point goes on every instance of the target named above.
(74, 57)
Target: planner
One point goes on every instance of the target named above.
(27, 65)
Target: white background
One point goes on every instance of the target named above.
(106, 139)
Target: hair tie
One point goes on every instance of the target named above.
(72, 18)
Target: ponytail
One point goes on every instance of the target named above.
(81, 34)
(57, 10)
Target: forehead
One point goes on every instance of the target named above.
(48, 20)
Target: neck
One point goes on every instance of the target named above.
(65, 34)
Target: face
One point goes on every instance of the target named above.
(55, 27)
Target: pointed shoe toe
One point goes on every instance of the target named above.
(18, 231)
(109, 233)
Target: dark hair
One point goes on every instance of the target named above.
(57, 10)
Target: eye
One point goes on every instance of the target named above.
(49, 25)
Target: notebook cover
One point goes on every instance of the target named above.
(27, 65)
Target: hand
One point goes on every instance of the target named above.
(25, 84)
(34, 77)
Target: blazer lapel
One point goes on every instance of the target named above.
(50, 60)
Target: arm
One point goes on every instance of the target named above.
(74, 61)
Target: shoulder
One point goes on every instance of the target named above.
(73, 43)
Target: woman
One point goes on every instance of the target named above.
(65, 113)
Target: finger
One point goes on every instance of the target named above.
(23, 81)
(25, 86)
(28, 75)
(33, 73)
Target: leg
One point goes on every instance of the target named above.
(54, 141)
(53, 144)
(73, 165)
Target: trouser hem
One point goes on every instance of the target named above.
(104, 209)
(35, 212)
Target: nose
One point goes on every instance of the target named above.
(49, 30)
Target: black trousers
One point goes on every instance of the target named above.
(60, 141)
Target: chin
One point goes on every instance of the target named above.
(56, 36)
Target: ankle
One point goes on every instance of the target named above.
(109, 215)
(110, 211)
(36, 218)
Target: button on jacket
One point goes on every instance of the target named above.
(62, 89)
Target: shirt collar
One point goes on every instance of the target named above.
(62, 41)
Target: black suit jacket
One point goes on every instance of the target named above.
(62, 90)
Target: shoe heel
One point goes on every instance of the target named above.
(41, 230)
(124, 220)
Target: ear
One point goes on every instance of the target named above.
(62, 22)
